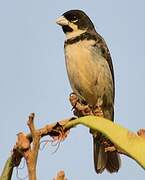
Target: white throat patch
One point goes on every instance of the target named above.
(75, 32)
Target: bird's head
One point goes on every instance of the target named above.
(74, 23)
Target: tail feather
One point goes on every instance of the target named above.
(100, 157)
(105, 160)
(113, 162)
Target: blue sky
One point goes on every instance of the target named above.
(33, 78)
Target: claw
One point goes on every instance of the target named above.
(73, 99)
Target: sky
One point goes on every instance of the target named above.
(33, 79)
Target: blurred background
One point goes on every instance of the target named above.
(33, 79)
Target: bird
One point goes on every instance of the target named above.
(91, 76)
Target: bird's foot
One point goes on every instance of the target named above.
(80, 108)
(73, 98)
(97, 111)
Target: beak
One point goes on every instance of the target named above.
(62, 21)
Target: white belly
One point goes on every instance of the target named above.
(88, 72)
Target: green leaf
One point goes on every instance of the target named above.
(125, 140)
(8, 170)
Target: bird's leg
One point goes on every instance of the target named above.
(97, 111)
(80, 108)
(73, 98)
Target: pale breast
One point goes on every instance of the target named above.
(88, 71)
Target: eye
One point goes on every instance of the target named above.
(74, 19)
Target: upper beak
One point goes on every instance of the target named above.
(62, 21)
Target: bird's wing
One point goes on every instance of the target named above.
(101, 44)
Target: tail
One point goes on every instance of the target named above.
(105, 160)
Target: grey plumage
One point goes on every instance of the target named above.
(90, 71)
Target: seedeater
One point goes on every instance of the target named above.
(90, 72)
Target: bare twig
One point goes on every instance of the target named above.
(32, 152)
(27, 146)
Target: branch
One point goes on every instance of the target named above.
(32, 152)
(60, 176)
(27, 145)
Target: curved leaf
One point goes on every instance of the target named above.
(125, 140)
